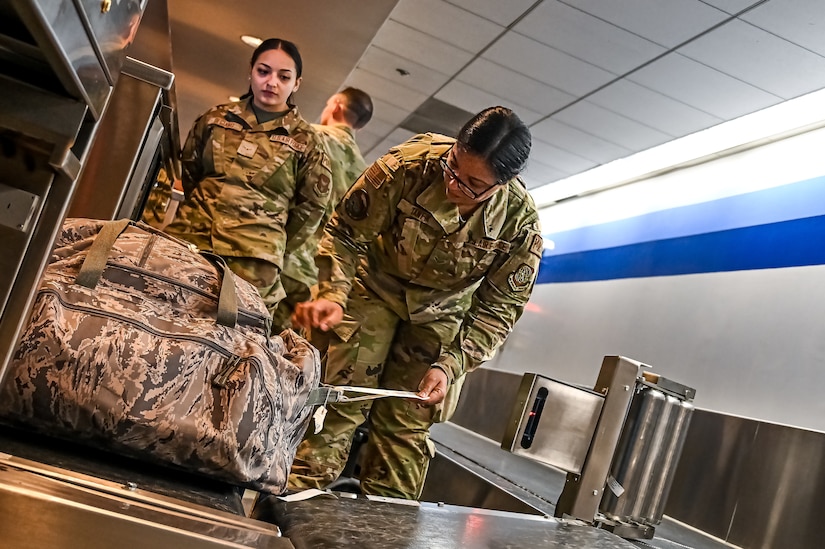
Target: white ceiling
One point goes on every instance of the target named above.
(596, 80)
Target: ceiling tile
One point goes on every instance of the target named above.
(497, 11)
(377, 125)
(546, 64)
(610, 126)
(389, 91)
(587, 38)
(799, 21)
(367, 140)
(732, 6)
(516, 87)
(759, 58)
(702, 87)
(396, 138)
(384, 64)
(449, 23)
(559, 159)
(574, 140)
(381, 110)
(420, 47)
(652, 108)
(537, 174)
(472, 99)
(666, 22)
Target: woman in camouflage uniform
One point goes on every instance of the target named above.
(424, 268)
(256, 180)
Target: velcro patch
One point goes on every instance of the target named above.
(290, 142)
(489, 244)
(537, 246)
(520, 279)
(215, 121)
(357, 205)
(375, 175)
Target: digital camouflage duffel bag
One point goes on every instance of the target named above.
(141, 345)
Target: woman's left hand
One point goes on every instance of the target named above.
(433, 386)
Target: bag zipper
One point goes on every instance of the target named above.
(233, 360)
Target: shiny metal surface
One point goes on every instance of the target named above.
(117, 151)
(535, 483)
(751, 483)
(553, 422)
(342, 522)
(582, 493)
(61, 37)
(488, 416)
(646, 456)
(455, 481)
(41, 511)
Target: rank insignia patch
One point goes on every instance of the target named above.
(521, 278)
(357, 204)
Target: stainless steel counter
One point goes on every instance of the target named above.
(356, 522)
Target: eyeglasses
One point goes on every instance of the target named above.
(466, 189)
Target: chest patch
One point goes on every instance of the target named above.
(247, 149)
(225, 124)
(289, 142)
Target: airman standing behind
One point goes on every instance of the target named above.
(257, 180)
(345, 112)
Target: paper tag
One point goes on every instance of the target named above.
(614, 486)
(318, 417)
(306, 494)
(399, 501)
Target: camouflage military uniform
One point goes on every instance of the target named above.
(421, 287)
(254, 192)
(300, 272)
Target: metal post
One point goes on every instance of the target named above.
(583, 492)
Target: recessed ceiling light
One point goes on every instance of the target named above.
(252, 41)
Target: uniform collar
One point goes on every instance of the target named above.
(243, 110)
(487, 219)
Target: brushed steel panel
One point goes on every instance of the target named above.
(487, 399)
(553, 422)
(704, 492)
(780, 490)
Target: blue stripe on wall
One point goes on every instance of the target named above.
(791, 243)
(792, 201)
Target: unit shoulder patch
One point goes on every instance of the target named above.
(357, 205)
(520, 279)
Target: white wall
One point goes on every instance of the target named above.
(750, 342)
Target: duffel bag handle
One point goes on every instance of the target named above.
(95, 263)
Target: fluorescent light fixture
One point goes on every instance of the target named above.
(252, 41)
(803, 112)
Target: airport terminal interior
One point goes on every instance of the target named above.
(659, 390)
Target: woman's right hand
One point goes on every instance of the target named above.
(321, 313)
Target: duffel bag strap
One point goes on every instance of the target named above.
(95, 262)
(228, 300)
(101, 248)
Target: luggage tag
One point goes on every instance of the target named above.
(335, 393)
(319, 415)
(326, 394)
